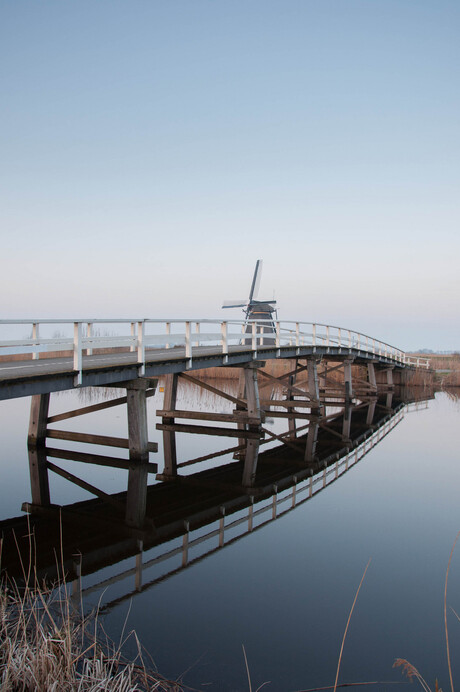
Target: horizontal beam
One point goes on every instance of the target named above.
(89, 438)
(92, 409)
(235, 417)
(210, 430)
(97, 459)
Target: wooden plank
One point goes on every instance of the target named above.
(284, 439)
(296, 371)
(331, 431)
(235, 417)
(290, 387)
(266, 403)
(97, 459)
(39, 407)
(95, 439)
(95, 407)
(86, 486)
(329, 370)
(206, 457)
(289, 414)
(209, 430)
(212, 389)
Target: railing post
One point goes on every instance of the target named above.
(277, 337)
(224, 330)
(132, 348)
(349, 339)
(77, 353)
(89, 334)
(313, 334)
(261, 339)
(254, 339)
(197, 331)
(297, 343)
(141, 347)
(327, 335)
(168, 332)
(35, 337)
(188, 343)
(340, 337)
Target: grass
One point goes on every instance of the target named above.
(45, 644)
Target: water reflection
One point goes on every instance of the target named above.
(188, 518)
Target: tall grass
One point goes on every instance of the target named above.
(45, 644)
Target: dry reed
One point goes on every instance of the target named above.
(45, 644)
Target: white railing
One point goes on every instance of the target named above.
(417, 362)
(84, 337)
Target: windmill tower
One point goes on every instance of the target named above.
(256, 310)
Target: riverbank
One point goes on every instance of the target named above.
(47, 644)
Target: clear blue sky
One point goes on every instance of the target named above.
(151, 151)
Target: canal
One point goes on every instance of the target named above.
(283, 590)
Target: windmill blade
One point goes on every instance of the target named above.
(255, 281)
(234, 303)
(271, 301)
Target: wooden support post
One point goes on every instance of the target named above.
(390, 382)
(348, 379)
(371, 375)
(371, 411)
(136, 496)
(346, 427)
(169, 437)
(290, 397)
(39, 482)
(312, 437)
(239, 407)
(39, 408)
(313, 386)
(252, 446)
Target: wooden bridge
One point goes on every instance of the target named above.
(80, 356)
(209, 508)
(331, 371)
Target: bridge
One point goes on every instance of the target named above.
(209, 509)
(333, 373)
(43, 363)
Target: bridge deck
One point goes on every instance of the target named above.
(28, 377)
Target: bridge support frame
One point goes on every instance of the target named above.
(36, 443)
(348, 380)
(136, 496)
(251, 456)
(169, 436)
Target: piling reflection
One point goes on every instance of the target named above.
(188, 518)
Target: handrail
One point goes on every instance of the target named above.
(253, 335)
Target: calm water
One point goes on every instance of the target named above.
(284, 591)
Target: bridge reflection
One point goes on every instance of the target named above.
(188, 518)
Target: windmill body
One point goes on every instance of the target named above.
(263, 312)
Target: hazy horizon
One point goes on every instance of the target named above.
(153, 151)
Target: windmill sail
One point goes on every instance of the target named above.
(256, 310)
(253, 293)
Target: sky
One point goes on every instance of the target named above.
(151, 151)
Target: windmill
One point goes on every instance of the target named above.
(256, 309)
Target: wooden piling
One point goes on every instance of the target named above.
(36, 443)
(169, 436)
